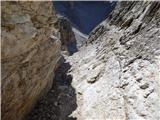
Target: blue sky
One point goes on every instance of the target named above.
(84, 15)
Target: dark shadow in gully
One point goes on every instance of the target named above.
(60, 101)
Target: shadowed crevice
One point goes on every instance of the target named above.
(60, 101)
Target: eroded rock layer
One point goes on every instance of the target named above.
(29, 55)
(117, 74)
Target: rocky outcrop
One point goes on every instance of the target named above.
(117, 74)
(66, 36)
(29, 55)
(65, 30)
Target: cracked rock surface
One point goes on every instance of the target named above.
(29, 55)
(118, 72)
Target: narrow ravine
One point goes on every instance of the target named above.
(78, 61)
(114, 75)
(60, 101)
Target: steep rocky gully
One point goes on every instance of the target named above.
(115, 75)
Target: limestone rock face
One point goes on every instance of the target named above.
(29, 55)
(118, 72)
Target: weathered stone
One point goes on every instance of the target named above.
(128, 85)
(29, 55)
(67, 36)
(145, 86)
(126, 79)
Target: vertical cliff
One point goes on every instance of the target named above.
(67, 36)
(29, 55)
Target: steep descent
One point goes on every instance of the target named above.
(116, 75)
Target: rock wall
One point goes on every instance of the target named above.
(65, 30)
(119, 70)
(66, 36)
(29, 55)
